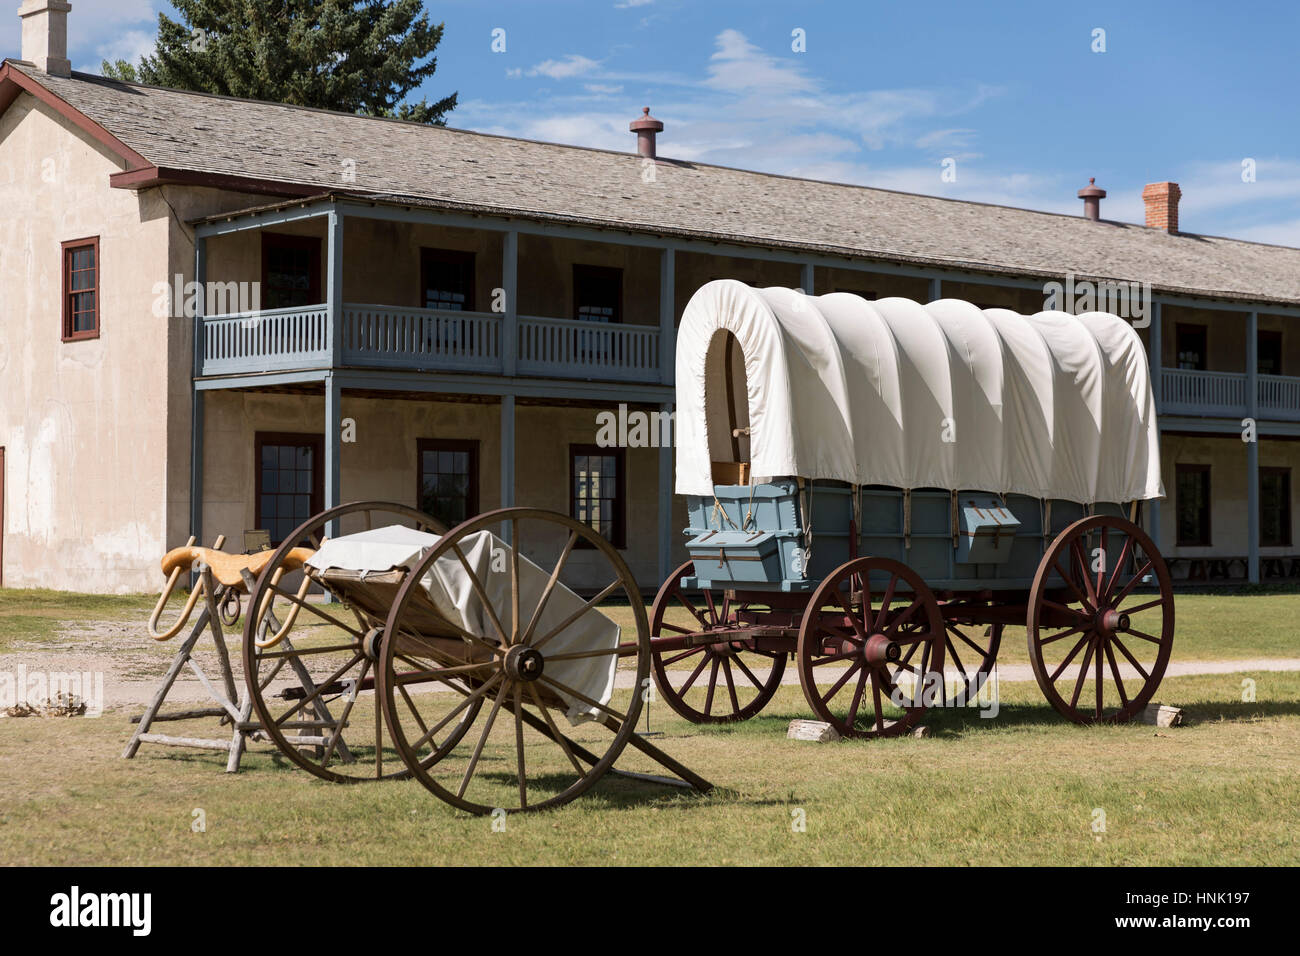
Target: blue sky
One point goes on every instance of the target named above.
(884, 92)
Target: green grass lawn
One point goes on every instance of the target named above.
(1019, 789)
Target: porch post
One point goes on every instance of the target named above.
(1252, 448)
(196, 405)
(507, 452)
(667, 315)
(1154, 358)
(665, 494)
(334, 286)
(936, 289)
(806, 279)
(510, 322)
(333, 446)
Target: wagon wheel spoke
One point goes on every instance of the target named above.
(1101, 566)
(481, 594)
(1069, 580)
(731, 683)
(515, 544)
(1100, 688)
(1158, 602)
(474, 695)
(519, 741)
(713, 685)
(1114, 671)
(583, 655)
(444, 674)
(1066, 610)
(748, 674)
(343, 716)
(665, 626)
(559, 738)
(902, 619)
(1143, 635)
(884, 602)
(713, 610)
(314, 609)
(844, 679)
(550, 586)
(696, 673)
(853, 618)
(1133, 582)
(588, 606)
(1131, 659)
(482, 740)
(1124, 553)
(681, 599)
(565, 688)
(1059, 636)
(320, 686)
(689, 652)
(1077, 550)
(1083, 673)
(1069, 657)
(852, 718)
(880, 708)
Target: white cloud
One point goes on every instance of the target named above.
(130, 45)
(602, 89)
(625, 4)
(567, 68)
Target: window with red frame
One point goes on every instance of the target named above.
(81, 289)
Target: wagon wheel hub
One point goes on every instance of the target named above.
(524, 663)
(1110, 622)
(880, 650)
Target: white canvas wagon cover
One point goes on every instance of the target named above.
(942, 395)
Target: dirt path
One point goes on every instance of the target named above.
(131, 667)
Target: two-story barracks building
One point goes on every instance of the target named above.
(443, 315)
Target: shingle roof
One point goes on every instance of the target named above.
(466, 170)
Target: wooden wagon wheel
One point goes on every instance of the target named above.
(310, 665)
(1086, 619)
(872, 620)
(712, 683)
(533, 640)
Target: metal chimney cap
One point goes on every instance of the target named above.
(1092, 190)
(645, 122)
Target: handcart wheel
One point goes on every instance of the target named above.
(531, 643)
(310, 665)
(1098, 645)
(874, 637)
(709, 683)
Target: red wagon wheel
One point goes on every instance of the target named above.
(1088, 623)
(869, 623)
(713, 683)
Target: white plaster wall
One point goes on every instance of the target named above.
(83, 423)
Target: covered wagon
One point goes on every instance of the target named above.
(877, 488)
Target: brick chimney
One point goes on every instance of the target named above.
(1162, 206)
(45, 35)
(646, 126)
(1092, 195)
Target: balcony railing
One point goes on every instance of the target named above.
(1223, 394)
(388, 337)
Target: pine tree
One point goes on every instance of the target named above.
(356, 56)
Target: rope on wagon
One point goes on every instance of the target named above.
(805, 501)
(749, 511)
(719, 510)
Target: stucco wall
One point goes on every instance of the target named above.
(83, 425)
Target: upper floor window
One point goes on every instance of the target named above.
(81, 289)
(597, 293)
(448, 479)
(290, 271)
(1268, 357)
(1190, 345)
(447, 279)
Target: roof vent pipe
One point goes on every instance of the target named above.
(1092, 195)
(646, 126)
